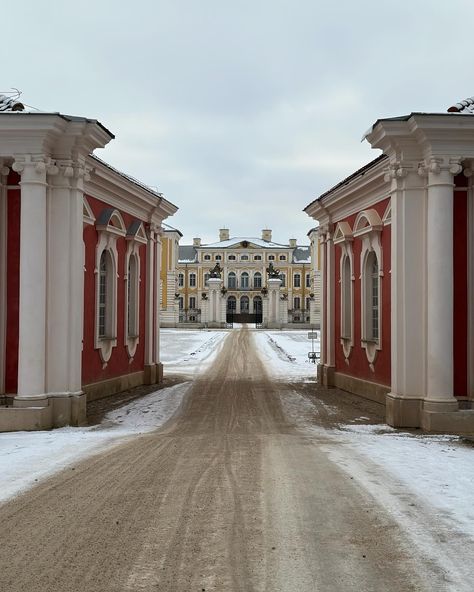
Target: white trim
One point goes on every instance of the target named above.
(387, 216)
(3, 280)
(347, 340)
(370, 244)
(87, 213)
(107, 242)
(131, 341)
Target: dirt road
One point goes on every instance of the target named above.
(228, 497)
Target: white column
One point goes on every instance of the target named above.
(149, 297)
(32, 301)
(3, 271)
(322, 360)
(157, 292)
(64, 279)
(330, 302)
(440, 274)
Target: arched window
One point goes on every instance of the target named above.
(244, 257)
(283, 279)
(372, 297)
(257, 280)
(297, 280)
(207, 257)
(244, 280)
(232, 280)
(346, 298)
(257, 305)
(104, 273)
(231, 303)
(218, 257)
(192, 280)
(132, 297)
(180, 280)
(244, 304)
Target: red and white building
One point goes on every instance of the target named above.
(79, 271)
(397, 266)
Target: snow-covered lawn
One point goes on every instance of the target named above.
(186, 351)
(285, 354)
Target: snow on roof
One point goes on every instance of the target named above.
(466, 107)
(168, 228)
(239, 239)
(187, 254)
(11, 103)
(302, 255)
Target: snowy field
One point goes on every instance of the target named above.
(285, 354)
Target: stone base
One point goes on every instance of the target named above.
(43, 414)
(451, 422)
(272, 325)
(326, 375)
(363, 388)
(211, 325)
(105, 388)
(401, 412)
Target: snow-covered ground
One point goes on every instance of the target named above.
(285, 354)
(186, 351)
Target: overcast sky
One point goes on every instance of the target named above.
(241, 113)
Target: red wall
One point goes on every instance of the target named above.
(358, 364)
(460, 253)
(119, 363)
(13, 283)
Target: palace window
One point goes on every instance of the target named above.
(271, 257)
(308, 280)
(231, 257)
(206, 277)
(244, 280)
(346, 298)
(257, 257)
(207, 257)
(192, 280)
(296, 302)
(257, 280)
(244, 304)
(282, 257)
(372, 297)
(244, 257)
(231, 303)
(192, 302)
(181, 303)
(297, 280)
(180, 280)
(132, 296)
(105, 292)
(283, 279)
(232, 280)
(218, 257)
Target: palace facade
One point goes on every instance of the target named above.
(241, 290)
(397, 265)
(80, 258)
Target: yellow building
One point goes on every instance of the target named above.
(243, 264)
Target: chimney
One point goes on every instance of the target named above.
(196, 242)
(292, 243)
(223, 234)
(266, 235)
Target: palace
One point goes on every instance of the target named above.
(397, 261)
(242, 290)
(80, 258)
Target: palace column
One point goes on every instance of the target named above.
(150, 370)
(330, 354)
(32, 300)
(157, 362)
(274, 321)
(214, 306)
(439, 293)
(3, 270)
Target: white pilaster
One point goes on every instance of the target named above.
(149, 297)
(330, 301)
(440, 276)
(322, 360)
(3, 271)
(64, 280)
(32, 301)
(157, 273)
